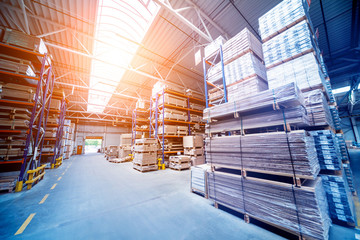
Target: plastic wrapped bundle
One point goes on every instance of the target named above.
(246, 88)
(327, 151)
(198, 178)
(266, 153)
(317, 108)
(212, 48)
(338, 197)
(240, 44)
(283, 15)
(293, 42)
(295, 116)
(299, 210)
(335, 117)
(342, 147)
(285, 96)
(304, 71)
(243, 67)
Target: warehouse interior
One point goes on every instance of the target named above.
(193, 119)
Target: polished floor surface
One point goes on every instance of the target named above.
(90, 198)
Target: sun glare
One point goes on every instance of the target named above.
(117, 23)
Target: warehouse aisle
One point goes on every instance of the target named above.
(95, 199)
(90, 198)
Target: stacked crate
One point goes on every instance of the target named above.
(244, 71)
(125, 145)
(180, 162)
(145, 154)
(194, 148)
(175, 113)
(292, 54)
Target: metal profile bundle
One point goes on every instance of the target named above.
(174, 113)
(145, 154)
(300, 211)
(198, 179)
(268, 153)
(23, 56)
(327, 151)
(341, 208)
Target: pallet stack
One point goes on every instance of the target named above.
(194, 148)
(292, 54)
(145, 155)
(180, 162)
(175, 113)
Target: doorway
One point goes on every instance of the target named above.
(93, 144)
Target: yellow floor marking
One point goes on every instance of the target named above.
(53, 186)
(63, 173)
(24, 225)
(59, 178)
(44, 198)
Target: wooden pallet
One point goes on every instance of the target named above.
(145, 167)
(247, 219)
(179, 169)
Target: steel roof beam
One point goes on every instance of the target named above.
(176, 14)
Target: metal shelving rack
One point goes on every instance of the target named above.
(59, 133)
(208, 61)
(44, 87)
(138, 117)
(156, 109)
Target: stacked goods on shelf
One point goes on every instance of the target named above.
(257, 111)
(338, 195)
(274, 202)
(198, 179)
(26, 80)
(145, 154)
(175, 112)
(180, 162)
(194, 148)
(241, 64)
(140, 120)
(121, 153)
(291, 54)
(266, 153)
(327, 149)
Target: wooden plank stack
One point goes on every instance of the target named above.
(145, 155)
(295, 210)
(278, 153)
(194, 148)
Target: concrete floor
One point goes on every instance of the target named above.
(95, 199)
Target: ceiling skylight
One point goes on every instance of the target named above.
(117, 21)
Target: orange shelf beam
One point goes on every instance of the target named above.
(21, 49)
(19, 75)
